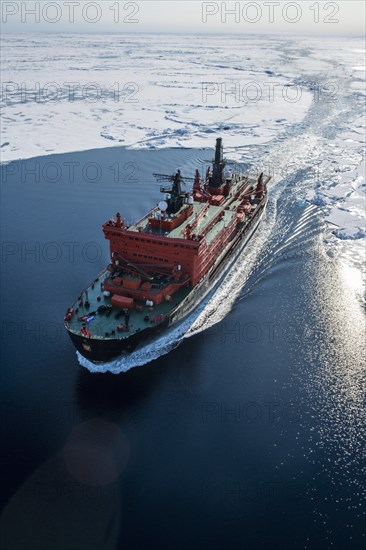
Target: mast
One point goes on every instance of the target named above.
(176, 195)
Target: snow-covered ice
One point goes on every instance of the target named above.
(67, 93)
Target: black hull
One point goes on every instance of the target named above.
(105, 350)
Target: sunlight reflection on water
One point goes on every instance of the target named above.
(335, 381)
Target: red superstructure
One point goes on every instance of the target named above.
(182, 236)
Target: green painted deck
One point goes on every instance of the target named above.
(211, 212)
(103, 323)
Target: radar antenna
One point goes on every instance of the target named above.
(176, 195)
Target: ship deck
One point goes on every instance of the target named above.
(101, 323)
(229, 206)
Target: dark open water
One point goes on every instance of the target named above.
(250, 434)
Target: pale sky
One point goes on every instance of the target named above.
(260, 17)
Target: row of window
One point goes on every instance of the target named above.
(150, 257)
(115, 243)
(143, 241)
(146, 240)
(125, 252)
